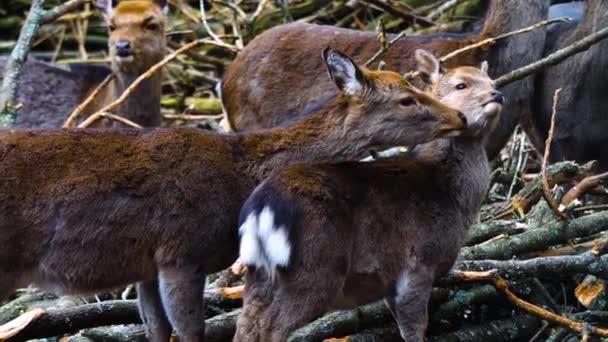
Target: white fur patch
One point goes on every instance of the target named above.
(403, 285)
(262, 243)
(249, 249)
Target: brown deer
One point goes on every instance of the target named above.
(316, 237)
(86, 210)
(279, 64)
(581, 123)
(137, 42)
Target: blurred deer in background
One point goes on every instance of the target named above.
(279, 64)
(88, 210)
(324, 236)
(581, 123)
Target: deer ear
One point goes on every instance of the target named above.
(344, 72)
(164, 6)
(429, 66)
(484, 67)
(105, 7)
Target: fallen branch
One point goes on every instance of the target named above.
(581, 188)
(58, 321)
(484, 231)
(531, 193)
(341, 323)
(547, 315)
(537, 238)
(91, 119)
(543, 267)
(546, 189)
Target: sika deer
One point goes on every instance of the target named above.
(278, 64)
(137, 42)
(87, 210)
(322, 236)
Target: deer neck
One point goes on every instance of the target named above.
(319, 137)
(463, 165)
(143, 105)
(509, 15)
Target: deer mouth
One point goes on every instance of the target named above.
(492, 108)
(125, 59)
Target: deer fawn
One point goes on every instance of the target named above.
(322, 236)
(137, 42)
(279, 64)
(86, 210)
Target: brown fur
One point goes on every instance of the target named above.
(141, 23)
(86, 210)
(279, 64)
(363, 231)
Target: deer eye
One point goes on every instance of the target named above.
(112, 27)
(407, 101)
(152, 27)
(461, 86)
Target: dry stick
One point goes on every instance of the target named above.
(206, 24)
(582, 187)
(72, 118)
(546, 315)
(442, 8)
(409, 17)
(490, 41)
(56, 12)
(91, 119)
(553, 58)
(258, 11)
(384, 48)
(546, 191)
(155, 68)
(191, 117)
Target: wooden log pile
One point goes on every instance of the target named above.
(528, 272)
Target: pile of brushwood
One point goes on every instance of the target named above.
(534, 268)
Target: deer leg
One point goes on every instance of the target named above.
(181, 291)
(256, 303)
(410, 305)
(292, 307)
(151, 311)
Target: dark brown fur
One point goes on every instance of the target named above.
(581, 122)
(49, 93)
(86, 210)
(359, 232)
(279, 64)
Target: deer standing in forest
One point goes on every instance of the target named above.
(88, 210)
(279, 64)
(137, 42)
(317, 237)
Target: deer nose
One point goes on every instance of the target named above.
(463, 118)
(498, 97)
(123, 48)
